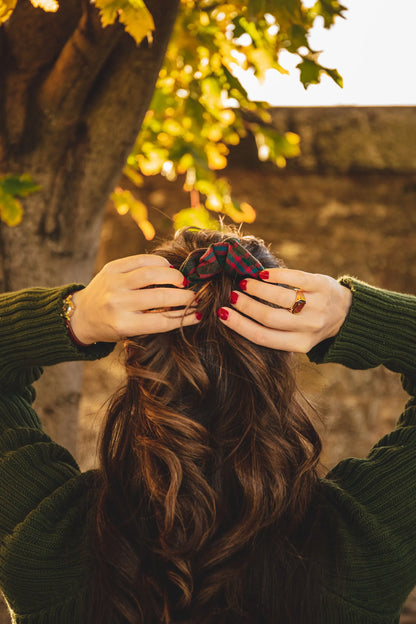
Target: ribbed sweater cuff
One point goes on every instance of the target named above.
(33, 332)
(379, 329)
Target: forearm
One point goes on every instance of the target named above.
(379, 329)
(33, 334)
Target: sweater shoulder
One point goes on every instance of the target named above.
(46, 559)
(371, 509)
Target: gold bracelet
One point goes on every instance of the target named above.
(68, 309)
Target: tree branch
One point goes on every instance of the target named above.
(110, 123)
(32, 40)
(35, 37)
(62, 95)
(124, 90)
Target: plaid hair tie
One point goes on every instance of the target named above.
(228, 256)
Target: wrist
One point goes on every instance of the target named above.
(71, 318)
(345, 306)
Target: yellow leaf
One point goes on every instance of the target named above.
(138, 210)
(133, 175)
(137, 20)
(6, 9)
(292, 138)
(204, 19)
(122, 209)
(134, 14)
(185, 163)
(46, 5)
(213, 202)
(196, 217)
(109, 10)
(227, 116)
(240, 213)
(125, 202)
(11, 210)
(151, 165)
(248, 212)
(214, 133)
(216, 159)
(147, 229)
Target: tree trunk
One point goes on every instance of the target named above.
(72, 99)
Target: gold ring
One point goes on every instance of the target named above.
(299, 302)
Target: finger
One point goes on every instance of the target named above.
(292, 277)
(264, 336)
(130, 263)
(161, 322)
(276, 318)
(160, 298)
(278, 295)
(152, 274)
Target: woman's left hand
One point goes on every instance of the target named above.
(327, 305)
(114, 304)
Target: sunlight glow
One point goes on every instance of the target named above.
(373, 49)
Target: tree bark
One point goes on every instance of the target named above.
(72, 99)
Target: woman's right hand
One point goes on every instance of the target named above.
(327, 305)
(118, 302)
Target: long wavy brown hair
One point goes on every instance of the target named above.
(208, 474)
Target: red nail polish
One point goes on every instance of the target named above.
(222, 314)
(185, 282)
(264, 275)
(171, 266)
(198, 315)
(243, 285)
(234, 297)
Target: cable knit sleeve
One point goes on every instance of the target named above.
(371, 502)
(379, 329)
(42, 493)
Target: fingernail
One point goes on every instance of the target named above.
(243, 285)
(171, 266)
(264, 275)
(198, 315)
(234, 297)
(185, 282)
(222, 314)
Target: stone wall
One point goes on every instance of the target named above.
(345, 139)
(346, 205)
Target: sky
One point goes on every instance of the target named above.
(374, 49)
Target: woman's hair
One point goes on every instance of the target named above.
(208, 470)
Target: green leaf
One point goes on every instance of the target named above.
(329, 10)
(197, 217)
(298, 37)
(234, 83)
(309, 72)
(22, 185)
(200, 108)
(11, 187)
(336, 77)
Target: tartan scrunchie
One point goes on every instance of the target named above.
(228, 256)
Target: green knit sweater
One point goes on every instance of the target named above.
(45, 557)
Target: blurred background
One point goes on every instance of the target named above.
(345, 204)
